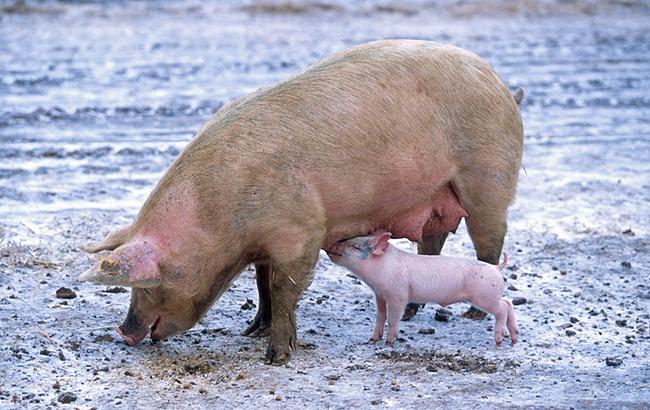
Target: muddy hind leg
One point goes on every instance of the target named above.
(487, 233)
(261, 324)
(431, 245)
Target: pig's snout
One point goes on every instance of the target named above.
(133, 329)
(132, 335)
(335, 249)
(130, 339)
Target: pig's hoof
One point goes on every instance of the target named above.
(258, 328)
(373, 340)
(411, 310)
(275, 357)
(474, 313)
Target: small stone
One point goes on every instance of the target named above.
(376, 402)
(570, 332)
(513, 276)
(519, 300)
(45, 352)
(621, 322)
(573, 319)
(626, 264)
(278, 398)
(103, 339)
(65, 293)
(66, 398)
(427, 331)
(613, 361)
(128, 373)
(628, 232)
(56, 385)
(443, 315)
(116, 289)
(512, 287)
(566, 325)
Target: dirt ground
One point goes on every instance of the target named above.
(578, 240)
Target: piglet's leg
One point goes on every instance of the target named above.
(395, 310)
(501, 318)
(381, 319)
(511, 322)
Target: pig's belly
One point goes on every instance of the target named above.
(441, 214)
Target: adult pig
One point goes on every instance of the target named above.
(399, 277)
(406, 136)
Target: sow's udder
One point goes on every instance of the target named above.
(441, 215)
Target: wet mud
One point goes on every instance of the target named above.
(97, 99)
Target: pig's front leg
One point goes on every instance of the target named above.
(380, 321)
(261, 324)
(288, 282)
(395, 309)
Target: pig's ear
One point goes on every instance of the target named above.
(112, 241)
(133, 264)
(380, 243)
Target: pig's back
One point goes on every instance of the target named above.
(369, 134)
(446, 279)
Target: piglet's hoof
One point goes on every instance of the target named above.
(474, 313)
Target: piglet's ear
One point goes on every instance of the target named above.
(380, 243)
(133, 264)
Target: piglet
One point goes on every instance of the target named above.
(398, 277)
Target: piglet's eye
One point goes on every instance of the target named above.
(356, 246)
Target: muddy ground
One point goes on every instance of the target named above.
(97, 99)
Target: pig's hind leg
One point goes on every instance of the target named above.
(499, 308)
(511, 322)
(486, 224)
(261, 324)
(380, 321)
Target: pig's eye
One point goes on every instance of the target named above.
(356, 247)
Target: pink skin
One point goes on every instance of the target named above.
(399, 277)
